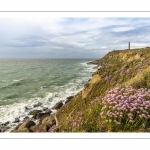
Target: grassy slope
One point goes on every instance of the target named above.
(118, 69)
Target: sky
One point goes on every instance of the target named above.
(70, 37)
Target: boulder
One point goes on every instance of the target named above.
(56, 95)
(58, 105)
(4, 128)
(26, 124)
(34, 112)
(5, 123)
(23, 130)
(39, 128)
(45, 108)
(48, 111)
(26, 118)
(37, 105)
(68, 99)
(49, 121)
(16, 120)
(25, 108)
(41, 115)
(16, 128)
(50, 99)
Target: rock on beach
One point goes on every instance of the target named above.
(58, 105)
(68, 99)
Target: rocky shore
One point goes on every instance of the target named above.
(36, 121)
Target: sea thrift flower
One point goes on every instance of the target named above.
(120, 105)
(79, 113)
(51, 128)
(132, 121)
(118, 123)
(130, 114)
(131, 109)
(74, 124)
(138, 112)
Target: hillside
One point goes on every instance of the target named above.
(121, 70)
(115, 99)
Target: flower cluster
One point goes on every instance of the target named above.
(108, 78)
(123, 70)
(138, 66)
(76, 124)
(125, 108)
(52, 128)
(144, 60)
(124, 67)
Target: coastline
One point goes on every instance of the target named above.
(121, 70)
(126, 71)
(35, 116)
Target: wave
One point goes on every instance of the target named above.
(10, 96)
(15, 83)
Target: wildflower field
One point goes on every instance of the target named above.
(126, 109)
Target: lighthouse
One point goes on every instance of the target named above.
(129, 45)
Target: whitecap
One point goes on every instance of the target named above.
(17, 80)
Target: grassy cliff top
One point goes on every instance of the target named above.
(127, 71)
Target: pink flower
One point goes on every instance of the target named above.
(132, 121)
(131, 109)
(130, 114)
(115, 121)
(118, 123)
(79, 113)
(74, 124)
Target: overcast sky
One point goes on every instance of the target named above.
(47, 37)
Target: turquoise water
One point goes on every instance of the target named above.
(42, 82)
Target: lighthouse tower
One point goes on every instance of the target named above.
(129, 45)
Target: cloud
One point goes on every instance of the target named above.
(30, 40)
(70, 37)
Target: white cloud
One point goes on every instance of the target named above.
(88, 37)
(120, 29)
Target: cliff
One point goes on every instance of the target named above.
(118, 69)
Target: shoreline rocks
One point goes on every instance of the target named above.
(16, 120)
(36, 120)
(3, 127)
(58, 105)
(69, 99)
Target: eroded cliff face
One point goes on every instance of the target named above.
(88, 87)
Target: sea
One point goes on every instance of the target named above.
(28, 84)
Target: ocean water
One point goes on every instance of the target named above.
(37, 83)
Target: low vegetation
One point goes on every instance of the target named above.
(116, 99)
